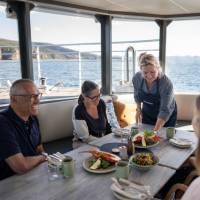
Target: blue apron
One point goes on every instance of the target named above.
(151, 106)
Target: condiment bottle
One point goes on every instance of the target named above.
(130, 146)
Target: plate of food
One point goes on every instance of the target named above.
(146, 139)
(100, 162)
(180, 142)
(143, 161)
(119, 132)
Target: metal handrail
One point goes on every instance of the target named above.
(130, 48)
(87, 43)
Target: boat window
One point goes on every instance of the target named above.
(183, 55)
(136, 37)
(9, 53)
(66, 51)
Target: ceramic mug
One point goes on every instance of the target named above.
(170, 132)
(122, 170)
(67, 167)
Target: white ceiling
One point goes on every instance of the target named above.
(163, 8)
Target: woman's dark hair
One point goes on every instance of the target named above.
(86, 89)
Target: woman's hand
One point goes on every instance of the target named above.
(159, 124)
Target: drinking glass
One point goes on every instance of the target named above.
(124, 137)
(53, 172)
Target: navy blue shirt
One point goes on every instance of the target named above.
(96, 127)
(16, 136)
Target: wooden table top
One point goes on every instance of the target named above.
(35, 184)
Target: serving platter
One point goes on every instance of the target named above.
(147, 146)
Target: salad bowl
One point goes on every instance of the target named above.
(143, 161)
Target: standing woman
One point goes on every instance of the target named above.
(89, 116)
(153, 93)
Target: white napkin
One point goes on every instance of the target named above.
(142, 188)
(131, 194)
(131, 190)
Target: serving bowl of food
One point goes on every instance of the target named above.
(143, 161)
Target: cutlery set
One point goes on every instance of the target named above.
(55, 159)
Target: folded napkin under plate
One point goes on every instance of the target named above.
(126, 190)
(181, 142)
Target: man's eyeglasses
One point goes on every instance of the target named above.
(94, 97)
(30, 96)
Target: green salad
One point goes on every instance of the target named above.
(99, 163)
(144, 159)
(148, 133)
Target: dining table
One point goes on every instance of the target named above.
(169, 155)
(86, 185)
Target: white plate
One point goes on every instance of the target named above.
(119, 196)
(181, 143)
(98, 171)
(118, 132)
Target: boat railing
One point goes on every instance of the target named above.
(78, 56)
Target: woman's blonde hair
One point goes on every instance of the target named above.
(148, 59)
(196, 126)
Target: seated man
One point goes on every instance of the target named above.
(20, 139)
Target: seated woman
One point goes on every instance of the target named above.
(193, 191)
(89, 116)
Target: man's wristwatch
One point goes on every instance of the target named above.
(138, 109)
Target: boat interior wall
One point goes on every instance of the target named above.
(185, 105)
(55, 120)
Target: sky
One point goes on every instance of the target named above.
(182, 39)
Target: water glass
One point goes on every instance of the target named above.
(124, 137)
(53, 172)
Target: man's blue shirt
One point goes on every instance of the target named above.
(16, 136)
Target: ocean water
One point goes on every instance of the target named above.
(184, 72)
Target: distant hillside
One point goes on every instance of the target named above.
(4, 42)
(9, 50)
